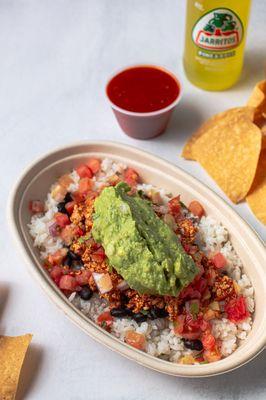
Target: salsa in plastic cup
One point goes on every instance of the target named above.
(143, 98)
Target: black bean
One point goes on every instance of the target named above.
(193, 344)
(156, 312)
(160, 312)
(119, 312)
(139, 317)
(76, 265)
(151, 314)
(85, 293)
(68, 261)
(61, 207)
(68, 198)
(72, 255)
(123, 298)
(129, 312)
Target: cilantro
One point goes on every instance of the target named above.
(103, 324)
(83, 239)
(183, 205)
(110, 267)
(194, 309)
(144, 312)
(204, 362)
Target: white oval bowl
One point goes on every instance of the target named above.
(36, 181)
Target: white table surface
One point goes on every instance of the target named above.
(55, 57)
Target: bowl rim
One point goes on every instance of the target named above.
(225, 365)
(151, 113)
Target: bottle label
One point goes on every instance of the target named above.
(218, 30)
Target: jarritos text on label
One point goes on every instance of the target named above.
(218, 30)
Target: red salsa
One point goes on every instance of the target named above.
(143, 89)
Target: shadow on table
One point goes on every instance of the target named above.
(185, 119)
(254, 68)
(34, 355)
(248, 379)
(30, 370)
(4, 294)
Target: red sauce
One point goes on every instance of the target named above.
(143, 89)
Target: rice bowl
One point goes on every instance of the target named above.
(159, 334)
(35, 183)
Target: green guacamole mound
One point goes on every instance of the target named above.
(139, 245)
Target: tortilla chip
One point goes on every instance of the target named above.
(222, 118)
(12, 353)
(258, 100)
(262, 125)
(229, 152)
(256, 198)
(263, 143)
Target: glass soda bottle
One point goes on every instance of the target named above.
(215, 41)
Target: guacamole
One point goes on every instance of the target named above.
(139, 245)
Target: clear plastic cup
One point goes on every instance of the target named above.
(144, 125)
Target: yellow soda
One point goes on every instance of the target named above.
(215, 40)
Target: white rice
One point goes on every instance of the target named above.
(161, 341)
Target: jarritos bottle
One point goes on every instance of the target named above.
(215, 41)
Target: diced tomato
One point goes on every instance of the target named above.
(199, 358)
(68, 282)
(200, 285)
(56, 273)
(98, 255)
(186, 247)
(198, 323)
(105, 320)
(70, 207)
(196, 208)
(179, 324)
(78, 197)
(219, 260)
(193, 250)
(83, 277)
(236, 309)
(91, 194)
(192, 323)
(190, 326)
(131, 177)
(208, 340)
(191, 335)
(36, 206)
(135, 339)
(212, 355)
(94, 164)
(70, 232)
(84, 171)
(190, 293)
(57, 257)
(65, 181)
(174, 206)
(85, 185)
(77, 231)
(62, 220)
(67, 234)
(204, 325)
(201, 272)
